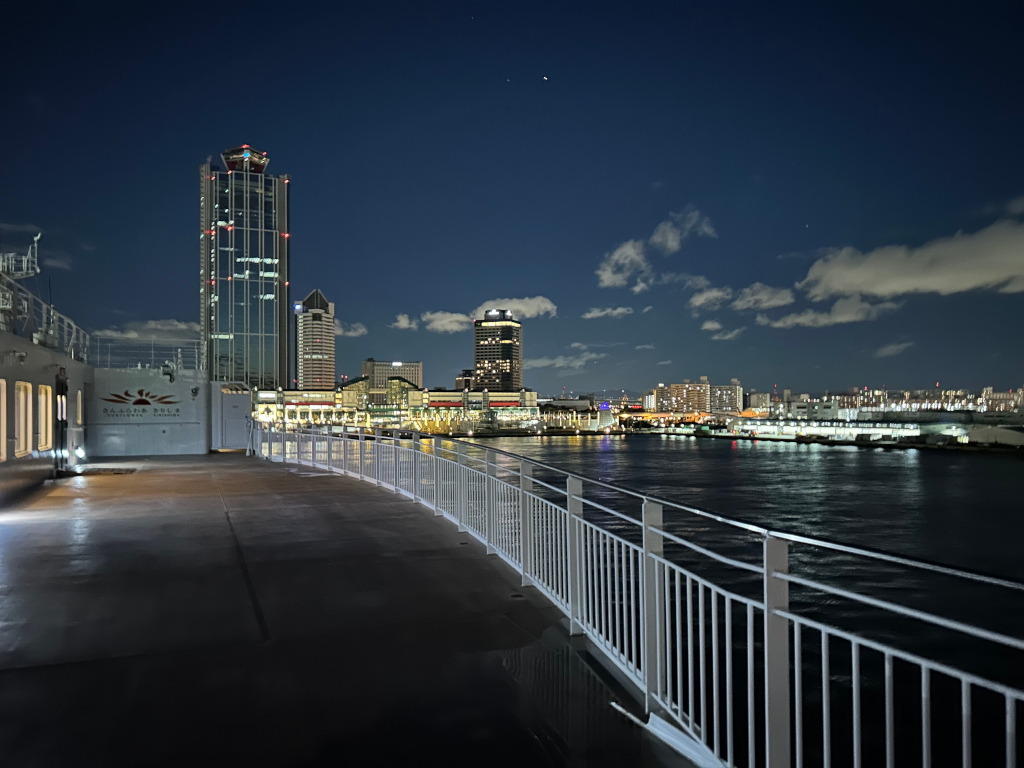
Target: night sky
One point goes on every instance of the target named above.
(811, 197)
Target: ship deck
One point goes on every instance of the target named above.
(221, 609)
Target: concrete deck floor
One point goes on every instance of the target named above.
(226, 610)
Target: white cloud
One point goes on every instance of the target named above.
(26, 228)
(851, 309)
(891, 350)
(618, 267)
(664, 362)
(446, 322)
(151, 329)
(667, 237)
(711, 298)
(761, 296)
(613, 312)
(991, 258)
(646, 310)
(57, 262)
(696, 282)
(403, 323)
(1015, 207)
(521, 308)
(711, 325)
(644, 346)
(563, 361)
(728, 335)
(347, 329)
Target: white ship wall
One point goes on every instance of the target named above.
(141, 412)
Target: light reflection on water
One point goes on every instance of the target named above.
(957, 508)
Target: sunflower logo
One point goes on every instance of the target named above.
(142, 397)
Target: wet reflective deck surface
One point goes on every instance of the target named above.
(225, 610)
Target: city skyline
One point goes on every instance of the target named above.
(646, 224)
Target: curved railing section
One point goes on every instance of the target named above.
(749, 647)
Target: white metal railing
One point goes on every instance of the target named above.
(695, 610)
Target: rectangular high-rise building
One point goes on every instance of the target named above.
(498, 351)
(243, 270)
(727, 398)
(314, 334)
(377, 372)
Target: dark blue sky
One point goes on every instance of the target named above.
(811, 156)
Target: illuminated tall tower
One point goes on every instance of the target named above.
(243, 270)
(498, 351)
(314, 354)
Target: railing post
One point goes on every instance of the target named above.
(377, 446)
(344, 449)
(654, 546)
(525, 520)
(461, 486)
(437, 476)
(362, 452)
(489, 502)
(397, 460)
(415, 453)
(776, 653)
(574, 506)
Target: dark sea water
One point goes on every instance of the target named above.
(961, 509)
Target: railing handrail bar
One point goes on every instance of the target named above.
(900, 560)
(707, 552)
(765, 532)
(913, 613)
(603, 508)
(913, 658)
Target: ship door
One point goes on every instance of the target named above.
(60, 415)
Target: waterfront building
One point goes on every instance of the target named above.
(243, 270)
(759, 401)
(315, 342)
(466, 379)
(691, 397)
(379, 371)
(727, 398)
(498, 351)
(446, 410)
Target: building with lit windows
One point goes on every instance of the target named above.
(243, 270)
(314, 334)
(378, 372)
(727, 398)
(498, 351)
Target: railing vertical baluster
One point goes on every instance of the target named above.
(634, 593)
(344, 450)
(890, 756)
(776, 653)
(855, 682)
(526, 522)
(798, 693)
(436, 461)
(462, 484)
(362, 453)
(703, 664)
(1011, 732)
(490, 502)
(679, 641)
(926, 717)
(714, 671)
(690, 707)
(666, 582)
(826, 713)
(574, 508)
(751, 745)
(728, 681)
(965, 721)
(653, 546)
(375, 454)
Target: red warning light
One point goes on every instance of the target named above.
(284, 235)
(245, 146)
(230, 228)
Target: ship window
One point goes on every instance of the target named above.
(45, 420)
(3, 419)
(81, 406)
(22, 418)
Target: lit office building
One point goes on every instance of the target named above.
(498, 351)
(314, 333)
(243, 270)
(377, 373)
(727, 398)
